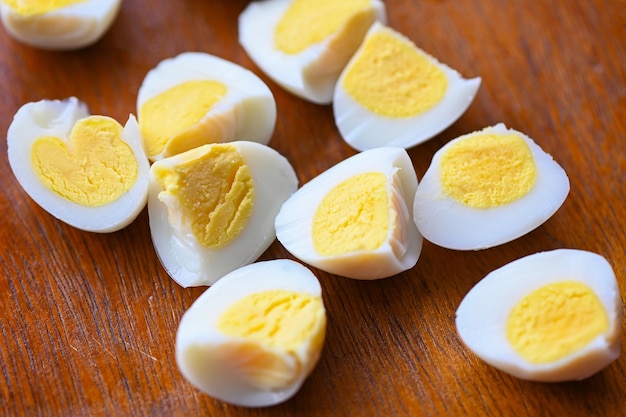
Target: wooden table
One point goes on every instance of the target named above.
(88, 321)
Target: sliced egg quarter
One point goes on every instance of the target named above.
(551, 316)
(254, 337)
(212, 208)
(354, 219)
(303, 45)
(487, 188)
(196, 98)
(58, 24)
(392, 93)
(86, 170)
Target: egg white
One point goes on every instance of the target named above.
(57, 118)
(247, 111)
(72, 27)
(310, 74)
(198, 330)
(295, 220)
(451, 224)
(482, 314)
(190, 263)
(363, 129)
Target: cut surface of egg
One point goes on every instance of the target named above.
(354, 219)
(255, 336)
(86, 170)
(303, 45)
(392, 93)
(212, 208)
(58, 24)
(551, 316)
(197, 98)
(487, 188)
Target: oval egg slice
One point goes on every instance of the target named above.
(354, 219)
(391, 93)
(196, 98)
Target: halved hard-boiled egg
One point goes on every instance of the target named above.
(196, 98)
(354, 219)
(212, 208)
(487, 188)
(86, 170)
(303, 45)
(58, 24)
(255, 336)
(392, 93)
(551, 316)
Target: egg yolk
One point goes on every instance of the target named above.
(307, 22)
(555, 321)
(391, 77)
(488, 170)
(213, 194)
(94, 169)
(174, 118)
(34, 7)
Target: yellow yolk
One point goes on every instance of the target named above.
(555, 321)
(307, 22)
(392, 78)
(215, 194)
(34, 7)
(353, 216)
(176, 114)
(95, 169)
(488, 170)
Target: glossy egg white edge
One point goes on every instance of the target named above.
(75, 26)
(198, 328)
(486, 308)
(362, 129)
(188, 262)
(246, 112)
(449, 223)
(294, 221)
(310, 74)
(57, 118)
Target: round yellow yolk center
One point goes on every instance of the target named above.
(307, 22)
(488, 170)
(353, 216)
(555, 321)
(94, 169)
(34, 7)
(391, 77)
(175, 115)
(215, 193)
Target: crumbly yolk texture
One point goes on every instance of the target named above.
(555, 321)
(488, 170)
(389, 76)
(353, 216)
(95, 168)
(173, 114)
(35, 7)
(215, 193)
(307, 22)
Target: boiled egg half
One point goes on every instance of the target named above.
(487, 188)
(551, 316)
(86, 170)
(196, 98)
(303, 45)
(392, 93)
(255, 336)
(212, 208)
(354, 219)
(58, 24)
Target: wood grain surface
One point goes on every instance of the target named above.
(88, 321)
